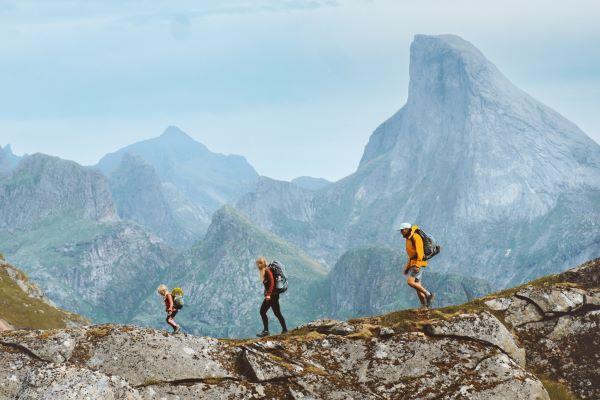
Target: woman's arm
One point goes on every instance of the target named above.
(271, 283)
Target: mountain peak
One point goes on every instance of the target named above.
(175, 133)
(7, 149)
(447, 68)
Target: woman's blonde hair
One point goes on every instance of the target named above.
(261, 264)
(162, 289)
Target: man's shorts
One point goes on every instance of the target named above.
(415, 273)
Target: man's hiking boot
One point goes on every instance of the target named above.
(263, 334)
(430, 299)
(284, 331)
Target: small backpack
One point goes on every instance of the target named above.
(177, 294)
(430, 246)
(281, 283)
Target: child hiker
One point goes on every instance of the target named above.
(170, 307)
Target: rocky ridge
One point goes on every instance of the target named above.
(511, 345)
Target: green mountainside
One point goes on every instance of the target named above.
(23, 305)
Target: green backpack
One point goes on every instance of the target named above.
(177, 294)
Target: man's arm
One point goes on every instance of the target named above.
(419, 246)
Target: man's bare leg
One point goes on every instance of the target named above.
(422, 298)
(417, 286)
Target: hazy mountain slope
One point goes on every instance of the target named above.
(369, 280)
(8, 160)
(508, 186)
(23, 305)
(310, 183)
(221, 283)
(206, 178)
(138, 195)
(58, 223)
(43, 187)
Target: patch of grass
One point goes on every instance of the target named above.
(558, 391)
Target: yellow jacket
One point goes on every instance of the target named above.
(415, 249)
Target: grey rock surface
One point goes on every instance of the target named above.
(71, 383)
(482, 327)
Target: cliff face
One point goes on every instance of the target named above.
(507, 185)
(496, 347)
(23, 305)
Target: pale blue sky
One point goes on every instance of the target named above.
(297, 86)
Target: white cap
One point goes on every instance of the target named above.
(405, 225)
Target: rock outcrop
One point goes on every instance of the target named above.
(463, 352)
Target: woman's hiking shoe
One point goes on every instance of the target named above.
(430, 299)
(177, 330)
(263, 334)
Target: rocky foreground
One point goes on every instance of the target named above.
(524, 343)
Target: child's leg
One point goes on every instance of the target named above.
(171, 320)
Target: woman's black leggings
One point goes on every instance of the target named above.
(274, 304)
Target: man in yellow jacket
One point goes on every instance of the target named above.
(416, 263)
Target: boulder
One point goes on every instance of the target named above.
(483, 327)
(263, 368)
(55, 346)
(331, 327)
(146, 355)
(554, 300)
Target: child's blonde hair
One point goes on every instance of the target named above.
(162, 289)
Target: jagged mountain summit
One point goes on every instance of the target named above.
(521, 344)
(190, 173)
(506, 184)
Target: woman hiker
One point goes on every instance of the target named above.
(170, 307)
(271, 297)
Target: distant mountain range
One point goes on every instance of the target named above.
(509, 188)
(195, 181)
